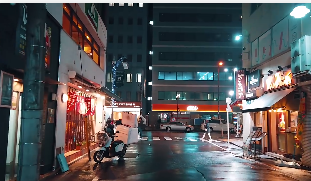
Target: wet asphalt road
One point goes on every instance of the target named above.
(163, 156)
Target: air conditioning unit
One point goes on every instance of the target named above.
(301, 55)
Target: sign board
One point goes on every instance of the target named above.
(6, 89)
(279, 79)
(192, 108)
(92, 14)
(254, 79)
(240, 84)
(22, 30)
(127, 104)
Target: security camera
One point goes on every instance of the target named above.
(243, 48)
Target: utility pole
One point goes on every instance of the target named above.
(32, 99)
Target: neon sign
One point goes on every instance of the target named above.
(192, 108)
(279, 79)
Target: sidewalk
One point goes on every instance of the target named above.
(235, 148)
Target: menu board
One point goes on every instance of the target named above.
(6, 89)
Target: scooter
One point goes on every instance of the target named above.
(108, 147)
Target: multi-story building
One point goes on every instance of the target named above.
(276, 54)
(189, 42)
(127, 25)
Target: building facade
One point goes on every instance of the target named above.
(277, 88)
(189, 42)
(127, 25)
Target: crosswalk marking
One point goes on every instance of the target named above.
(156, 138)
(167, 138)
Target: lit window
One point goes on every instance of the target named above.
(141, 5)
(138, 77)
(151, 52)
(151, 22)
(109, 77)
(121, 4)
(150, 67)
(111, 4)
(149, 98)
(128, 77)
(130, 4)
(149, 83)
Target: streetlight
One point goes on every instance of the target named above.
(238, 37)
(300, 11)
(226, 70)
(231, 93)
(177, 97)
(218, 116)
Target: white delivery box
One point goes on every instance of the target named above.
(126, 134)
(129, 119)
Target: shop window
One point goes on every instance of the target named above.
(66, 24)
(170, 95)
(129, 78)
(77, 35)
(139, 58)
(161, 95)
(128, 95)
(138, 77)
(78, 32)
(95, 57)
(87, 48)
(222, 96)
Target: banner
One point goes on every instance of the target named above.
(240, 84)
(265, 47)
(280, 37)
(255, 59)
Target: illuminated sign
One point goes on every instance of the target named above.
(125, 104)
(279, 79)
(254, 79)
(192, 108)
(240, 84)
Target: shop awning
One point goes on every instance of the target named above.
(110, 94)
(266, 101)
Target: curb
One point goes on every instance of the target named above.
(274, 167)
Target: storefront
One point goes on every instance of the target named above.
(115, 112)
(274, 108)
(186, 113)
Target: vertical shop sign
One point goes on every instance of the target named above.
(92, 14)
(6, 89)
(48, 36)
(22, 30)
(240, 85)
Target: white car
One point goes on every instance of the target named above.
(218, 125)
(176, 126)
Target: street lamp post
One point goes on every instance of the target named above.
(177, 97)
(218, 115)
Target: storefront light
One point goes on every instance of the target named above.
(87, 90)
(79, 86)
(64, 98)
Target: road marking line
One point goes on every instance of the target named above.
(179, 138)
(167, 138)
(156, 138)
(144, 138)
